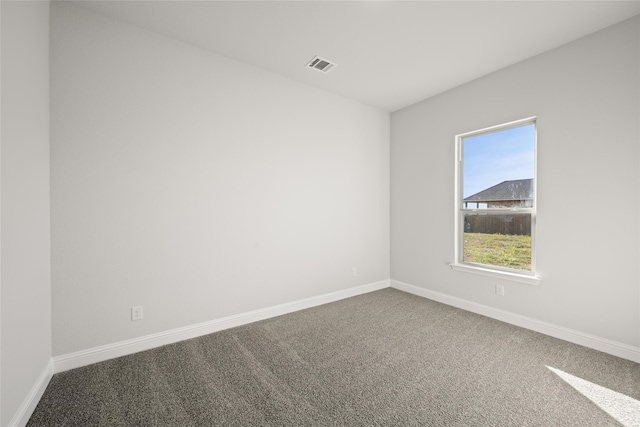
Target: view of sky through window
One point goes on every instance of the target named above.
(492, 158)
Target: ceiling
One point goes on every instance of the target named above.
(390, 54)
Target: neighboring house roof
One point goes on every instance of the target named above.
(519, 189)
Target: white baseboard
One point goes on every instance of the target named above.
(29, 404)
(601, 344)
(123, 348)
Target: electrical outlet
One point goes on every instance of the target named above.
(354, 273)
(500, 290)
(136, 312)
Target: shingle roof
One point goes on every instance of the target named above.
(519, 189)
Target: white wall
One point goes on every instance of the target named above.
(199, 187)
(586, 96)
(25, 252)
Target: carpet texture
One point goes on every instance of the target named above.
(386, 358)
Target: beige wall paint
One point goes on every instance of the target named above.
(586, 96)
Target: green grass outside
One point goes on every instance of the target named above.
(499, 250)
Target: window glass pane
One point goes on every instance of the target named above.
(498, 169)
(502, 240)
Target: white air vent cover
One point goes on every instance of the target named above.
(321, 65)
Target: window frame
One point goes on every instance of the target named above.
(529, 277)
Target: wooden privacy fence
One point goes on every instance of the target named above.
(517, 224)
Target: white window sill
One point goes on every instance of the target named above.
(505, 275)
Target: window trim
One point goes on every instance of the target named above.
(529, 277)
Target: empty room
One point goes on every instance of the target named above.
(320, 213)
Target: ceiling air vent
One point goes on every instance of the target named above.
(321, 65)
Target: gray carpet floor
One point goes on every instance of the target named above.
(386, 358)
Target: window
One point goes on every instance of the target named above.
(496, 201)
